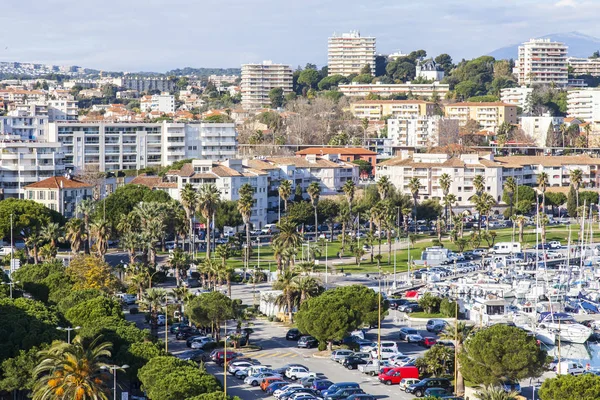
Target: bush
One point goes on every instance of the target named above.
(448, 308)
(430, 303)
(322, 346)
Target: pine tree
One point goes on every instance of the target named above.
(572, 202)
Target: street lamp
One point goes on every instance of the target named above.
(114, 369)
(166, 304)
(68, 329)
(10, 285)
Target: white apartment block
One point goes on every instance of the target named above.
(421, 91)
(227, 176)
(584, 66)
(62, 110)
(584, 104)
(519, 96)
(541, 61)
(25, 124)
(421, 131)
(219, 80)
(428, 167)
(349, 53)
(259, 79)
(537, 127)
(163, 103)
(110, 146)
(144, 84)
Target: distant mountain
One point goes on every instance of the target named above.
(580, 45)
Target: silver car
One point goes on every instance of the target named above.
(339, 355)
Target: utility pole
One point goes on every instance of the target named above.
(68, 329)
(114, 369)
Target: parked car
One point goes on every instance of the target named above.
(255, 380)
(361, 396)
(342, 385)
(395, 375)
(510, 386)
(404, 332)
(438, 393)
(308, 381)
(385, 354)
(281, 370)
(339, 355)
(275, 386)
(395, 303)
(344, 393)
(353, 362)
(307, 342)
(428, 341)
(406, 382)
(293, 334)
(193, 355)
(419, 389)
(410, 308)
(200, 342)
(435, 325)
(266, 382)
(321, 384)
(186, 332)
(295, 373)
(219, 357)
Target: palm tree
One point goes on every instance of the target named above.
(154, 299)
(497, 393)
(75, 233)
(224, 251)
(48, 252)
(542, 182)
(576, 178)
(414, 185)
(314, 191)
(564, 131)
(278, 254)
(100, 230)
(131, 241)
(459, 335)
(405, 215)
(287, 284)
(244, 205)
(287, 236)
(73, 371)
(189, 200)
(86, 209)
(378, 213)
(479, 184)
(587, 129)
(51, 233)
(308, 287)
(33, 242)
(285, 191)
(151, 219)
(180, 262)
(208, 200)
(510, 188)
(383, 187)
(445, 182)
(520, 221)
(449, 200)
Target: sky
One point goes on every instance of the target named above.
(158, 35)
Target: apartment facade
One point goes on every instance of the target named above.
(538, 127)
(110, 146)
(422, 90)
(420, 131)
(488, 115)
(520, 97)
(584, 104)
(375, 110)
(163, 103)
(584, 66)
(343, 154)
(59, 193)
(542, 61)
(349, 52)
(62, 110)
(144, 84)
(259, 79)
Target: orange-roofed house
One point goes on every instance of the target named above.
(59, 193)
(346, 154)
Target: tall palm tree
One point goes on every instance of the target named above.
(76, 371)
(445, 182)
(75, 233)
(542, 182)
(100, 230)
(285, 191)
(209, 198)
(33, 242)
(224, 252)
(343, 218)
(496, 393)
(189, 200)
(244, 205)
(479, 184)
(378, 214)
(51, 233)
(130, 242)
(383, 187)
(349, 189)
(308, 287)
(287, 236)
(414, 185)
(151, 218)
(520, 222)
(459, 335)
(449, 200)
(314, 191)
(287, 284)
(180, 262)
(576, 177)
(86, 209)
(154, 299)
(510, 188)
(564, 131)
(278, 254)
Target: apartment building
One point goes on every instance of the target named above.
(349, 52)
(584, 104)
(62, 110)
(421, 91)
(328, 170)
(27, 122)
(428, 167)
(144, 84)
(520, 97)
(584, 66)
(421, 131)
(163, 103)
(375, 110)
(219, 80)
(488, 115)
(228, 176)
(59, 193)
(538, 127)
(343, 154)
(259, 79)
(20, 96)
(542, 61)
(110, 146)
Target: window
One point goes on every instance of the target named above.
(30, 195)
(41, 195)
(52, 195)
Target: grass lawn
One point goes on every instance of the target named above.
(423, 314)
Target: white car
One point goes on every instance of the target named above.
(295, 373)
(199, 342)
(284, 389)
(232, 368)
(385, 354)
(414, 338)
(255, 380)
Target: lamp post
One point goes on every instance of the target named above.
(114, 369)
(10, 285)
(167, 323)
(68, 329)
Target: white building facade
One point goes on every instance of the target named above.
(542, 61)
(584, 66)
(584, 104)
(349, 52)
(164, 103)
(538, 127)
(419, 90)
(420, 132)
(259, 79)
(520, 97)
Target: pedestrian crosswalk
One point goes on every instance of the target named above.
(272, 354)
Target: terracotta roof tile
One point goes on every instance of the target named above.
(145, 180)
(547, 161)
(54, 182)
(482, 104)
(223, 171)
(337, 150)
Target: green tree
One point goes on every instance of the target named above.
(88, 311)
(28, 217)
(445, 62)
(210, 310)
(496, 393)
(310, 78)
(208, 201)
(414, 184)
(364, 167)
(510, 188)
(189, 200)
(75, 233)
(227, 214)
(438, 360)
(17, 372)
(501, 352)
(245, 205)
(569, 387)
(285, 191)
(300, 213)
(276, 97)
(314, 191)
(430, 303)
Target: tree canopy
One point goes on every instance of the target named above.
(28, 216)
(569, 387)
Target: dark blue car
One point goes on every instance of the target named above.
(275, 385)
(321, 384)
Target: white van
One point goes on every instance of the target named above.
(506, 248)
(270, 229)
(569, 368)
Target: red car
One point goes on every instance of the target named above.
(428, 342)
(220, 355)
(395, 375)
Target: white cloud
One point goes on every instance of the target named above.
(566, 3)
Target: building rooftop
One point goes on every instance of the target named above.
(336, 150)
(546, 161)
(480, 104)
(59, 182)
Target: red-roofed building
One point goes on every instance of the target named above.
(346, 154)
(59, 193)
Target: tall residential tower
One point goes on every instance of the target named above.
(259, 79)
(542, 61)
(349, 53)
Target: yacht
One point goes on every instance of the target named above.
(565, 327)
